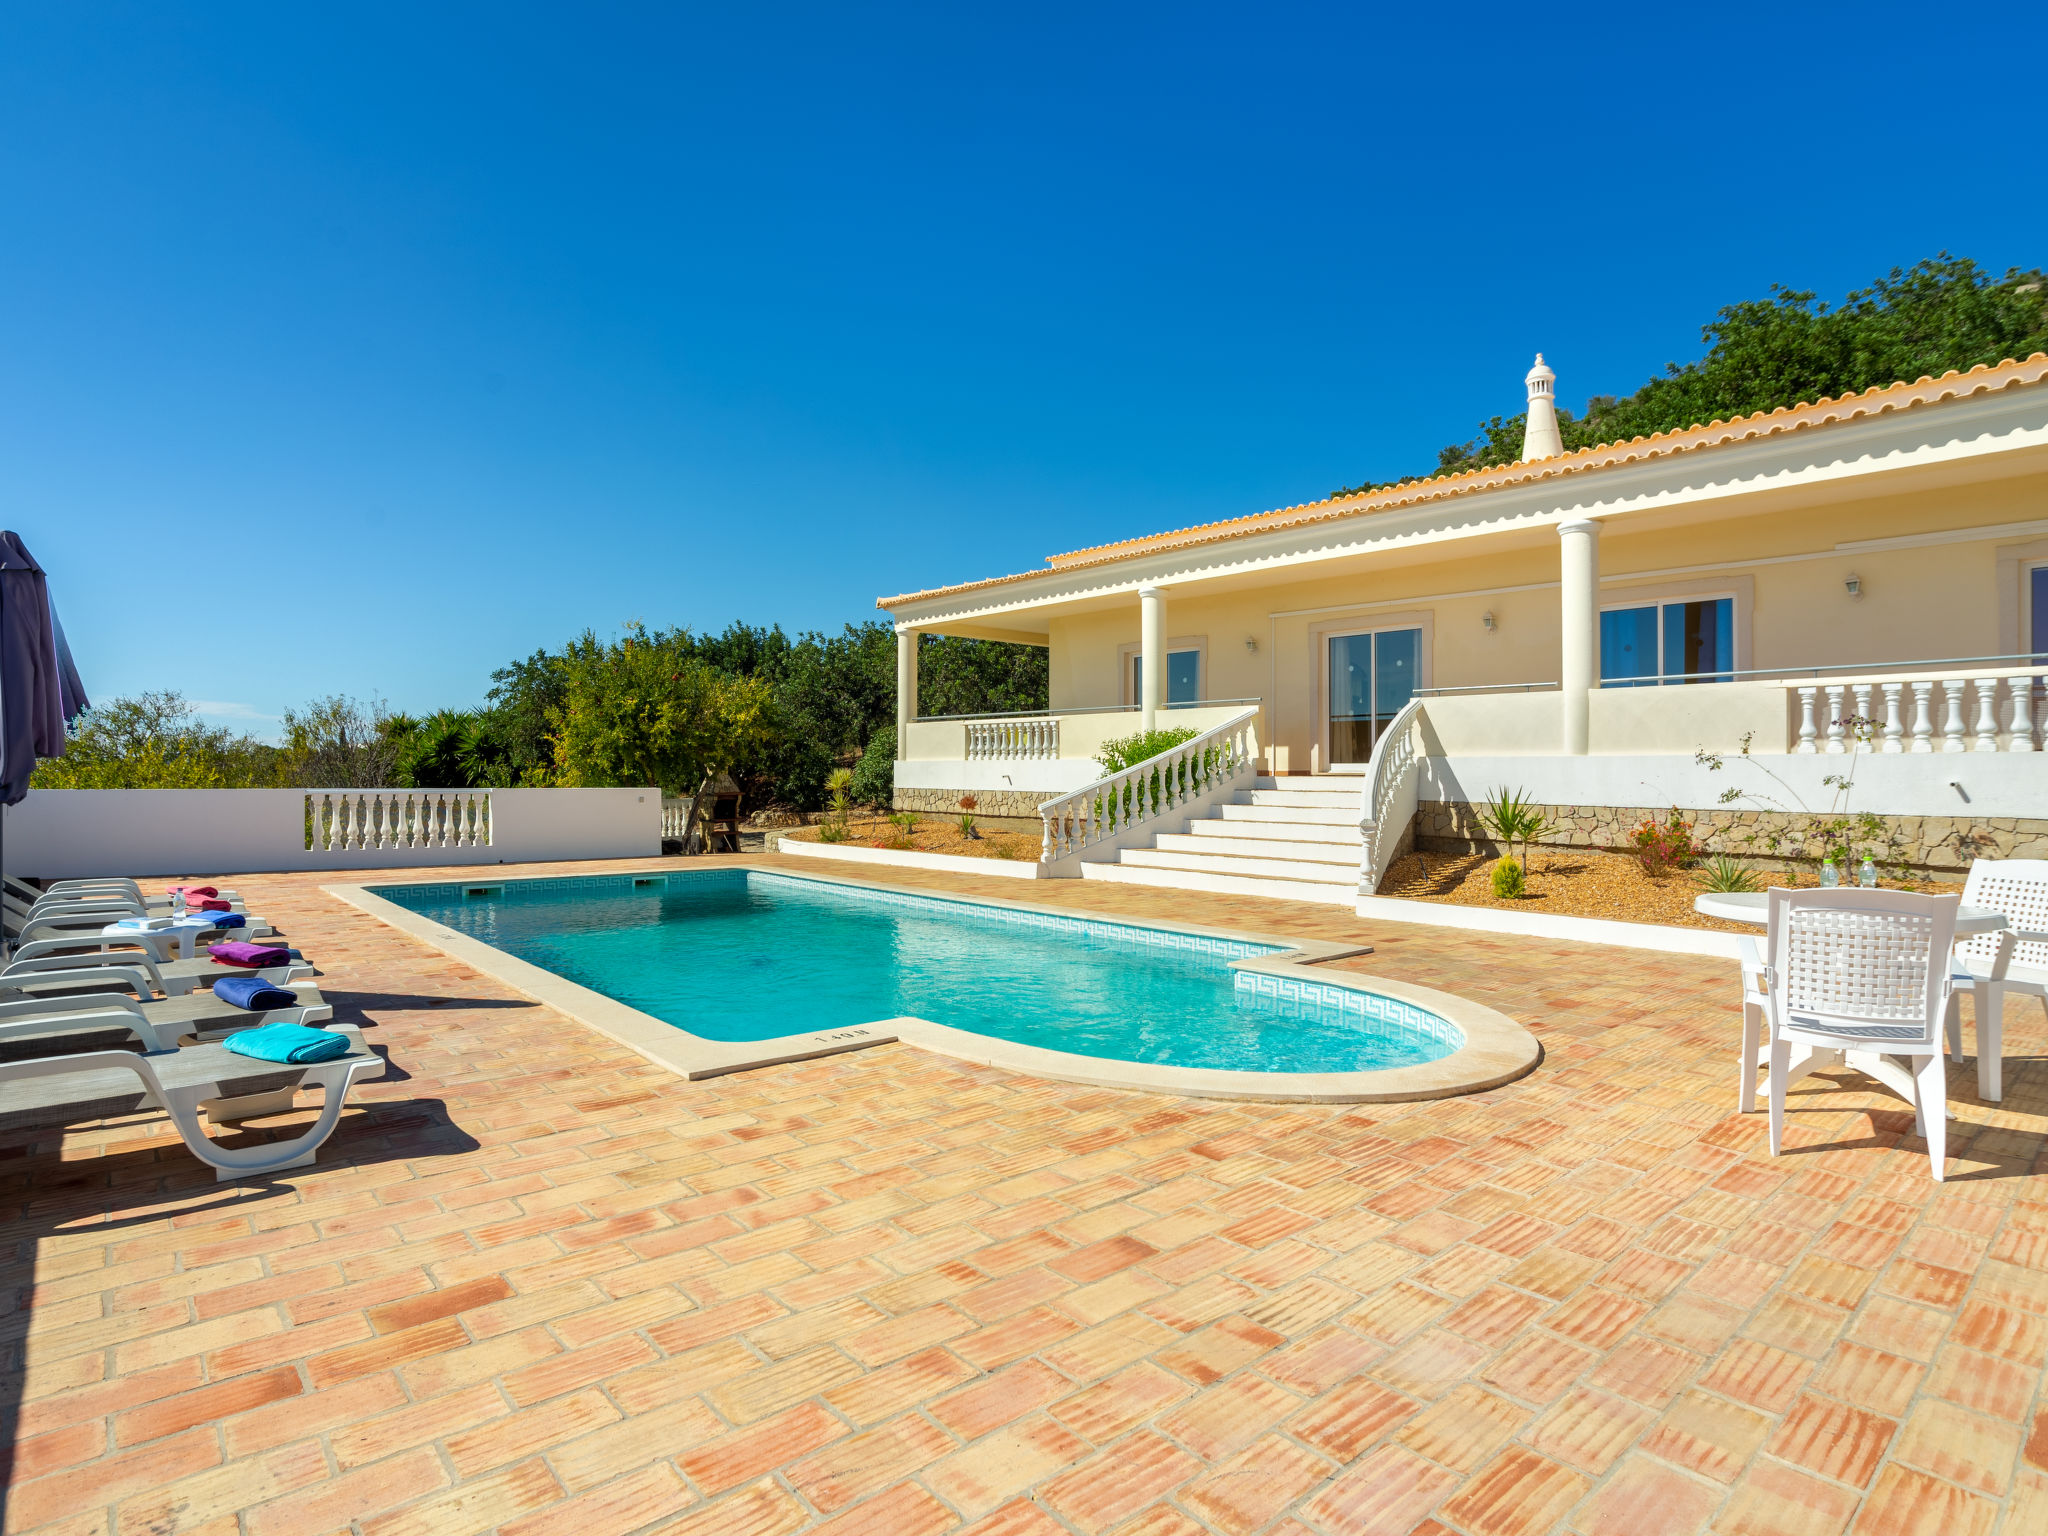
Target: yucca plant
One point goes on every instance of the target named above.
(1722, 876)
(1512, 817)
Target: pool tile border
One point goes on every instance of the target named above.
(1494, 1049)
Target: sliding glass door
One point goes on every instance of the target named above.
(1372, 675)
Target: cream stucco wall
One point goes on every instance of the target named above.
(1948, 588)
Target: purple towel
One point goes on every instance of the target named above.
(254, 957)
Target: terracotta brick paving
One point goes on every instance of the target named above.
(537, 1284)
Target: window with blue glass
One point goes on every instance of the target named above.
(2037, 607)
(1183, 679)
(1685, 642)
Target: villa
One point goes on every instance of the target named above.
(719, 1196)
(1866, 575)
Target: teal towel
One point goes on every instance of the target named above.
(294, 1044)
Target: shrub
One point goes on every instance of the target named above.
(967, 805)
(1508, 881)
(1665, 845)
(1128, 751)
(874, 777)
(1722, 876)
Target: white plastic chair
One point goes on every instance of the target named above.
(1862, 971)
(1993, 964)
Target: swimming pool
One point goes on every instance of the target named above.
(744, 955)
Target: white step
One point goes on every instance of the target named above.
(1346, 816)
(1224, 885)
(1332, 783)
(1232, 864)
(1317, 799)
(1345, 854)
(1345, 835)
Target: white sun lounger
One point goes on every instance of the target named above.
(209, 1079)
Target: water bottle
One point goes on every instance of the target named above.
(1830, 876)
(1867, 876)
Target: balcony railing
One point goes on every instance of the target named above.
(2001, 713)
(1028, 736)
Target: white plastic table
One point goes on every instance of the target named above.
(183, 931)
(1755, 907)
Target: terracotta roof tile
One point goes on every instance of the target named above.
(1827, 411)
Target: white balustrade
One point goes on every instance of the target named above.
(675, 816)
(1119, 802)
(1923, 717)
(1389, 804)
(1999, 713)
(1952, 717)
(353, 820)
(1036, 737)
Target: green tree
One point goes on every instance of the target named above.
(957, 676)
(341, 742)
(644, 710)
(1791, 348)
(155, 741)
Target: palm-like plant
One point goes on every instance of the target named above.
(1512, 817)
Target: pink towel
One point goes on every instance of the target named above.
(254, 957)
(193, 890)
(208, 903)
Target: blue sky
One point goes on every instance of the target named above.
(364, 350)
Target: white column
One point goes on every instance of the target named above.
(1579, 567)
(1152, 646)
(906, 689)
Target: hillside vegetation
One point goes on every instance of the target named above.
(1791, 347)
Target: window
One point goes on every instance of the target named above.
(1681, 642)
(1372, 676)
(2037, 609)
(1183, 679)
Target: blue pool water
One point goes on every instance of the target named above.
(745, 955)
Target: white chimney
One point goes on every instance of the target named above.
(1540, 439)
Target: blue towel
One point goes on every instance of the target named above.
(226, 920)
(253, 993)
(295, 1044)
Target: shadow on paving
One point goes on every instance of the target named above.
(48, 1196)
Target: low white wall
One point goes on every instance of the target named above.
(1047, 776)
(61, 834)
(1961, 784)
(1622, 722)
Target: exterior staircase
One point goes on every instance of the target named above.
(1293, 839)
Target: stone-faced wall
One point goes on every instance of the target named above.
(991, 806)
(1936, 843)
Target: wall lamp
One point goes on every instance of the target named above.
(1251, 644)
(1855, 586)
(1486, 618)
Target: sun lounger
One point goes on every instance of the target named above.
(173, 978)
(208, 1079)
(98, 890)
(197, 1016)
